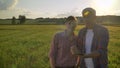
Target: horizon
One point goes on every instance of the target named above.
(56, 9)
(59, 17)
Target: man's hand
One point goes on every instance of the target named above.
(74, 50)
(92, 54)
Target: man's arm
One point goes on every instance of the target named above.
(52, 63)
(91, 55)
(53, 50)
(102, 47)
(78, 62)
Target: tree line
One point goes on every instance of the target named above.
(100, 19)
(21, 19)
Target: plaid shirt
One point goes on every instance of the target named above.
(99, 43)
(60, 50)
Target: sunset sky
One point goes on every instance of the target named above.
(56, 8)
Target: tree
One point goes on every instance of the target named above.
(13, 20)
(22, 19)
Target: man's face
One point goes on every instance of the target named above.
(89, 17)
(71, 25)
(89, 20)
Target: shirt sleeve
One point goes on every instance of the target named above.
(53, 47)
(102, 47)
(80, 42)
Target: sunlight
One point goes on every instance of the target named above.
(103, 6)
(104, 3)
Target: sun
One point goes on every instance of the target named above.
(103, 6)
(104, 3)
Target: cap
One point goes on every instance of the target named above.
(71, 18)
(88, 12)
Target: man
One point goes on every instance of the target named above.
(93, 42)
(60, 54)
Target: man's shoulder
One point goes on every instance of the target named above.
(59, 33)
(101, 27)
(101, 30)
(82, 29)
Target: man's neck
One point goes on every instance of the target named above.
(69, 33)
(90, 26)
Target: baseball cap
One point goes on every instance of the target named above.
(87, 12)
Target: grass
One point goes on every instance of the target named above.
(27, 46)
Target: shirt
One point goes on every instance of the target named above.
(88, 45)
(99, 44)
(60, 50)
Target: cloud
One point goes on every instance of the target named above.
(74, 12)
(14, 12)
(34, 13)
(24, 11)
(7, 4)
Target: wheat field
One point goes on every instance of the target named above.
(27, 46)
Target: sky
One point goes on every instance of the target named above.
(56, 8)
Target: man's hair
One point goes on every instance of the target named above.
(88, 12)
(71, 18)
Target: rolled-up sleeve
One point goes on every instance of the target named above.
(53, 47)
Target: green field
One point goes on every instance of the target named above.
(27, 46)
